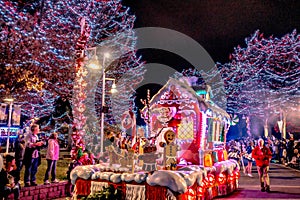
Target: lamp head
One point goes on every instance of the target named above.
(9, 99)
(106, 55)
(113, 88)
(94, 63)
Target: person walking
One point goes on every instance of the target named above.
(290, 148)
(248, 157)
(32, 156)
(52, 156)
(262, 156)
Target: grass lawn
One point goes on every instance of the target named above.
(61, 169)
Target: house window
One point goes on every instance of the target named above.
(186, 128)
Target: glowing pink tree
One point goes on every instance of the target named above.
(43, 47)
(39, 52)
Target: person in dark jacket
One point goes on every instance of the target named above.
(290, 148)
(248, 157)
(8, 176)
(262, 156)
(2, 176)
(19, 153)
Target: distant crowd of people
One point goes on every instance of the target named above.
(263, 151)
(284, 151)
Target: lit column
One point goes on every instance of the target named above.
(106, 55)
(10, 100)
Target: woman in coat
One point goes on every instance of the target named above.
(52, 156)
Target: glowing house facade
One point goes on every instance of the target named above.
(200, 125)
(202, 172)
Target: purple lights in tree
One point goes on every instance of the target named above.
(264, 76)
(38, 58)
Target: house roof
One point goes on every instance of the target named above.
(189, 94)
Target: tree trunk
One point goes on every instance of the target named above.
(284, 125)
(248, 126)
(266, 128)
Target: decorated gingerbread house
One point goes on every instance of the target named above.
(199, 124)
(182, 156)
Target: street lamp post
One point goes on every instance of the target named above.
(103, 104)
(93, 64)
(106, 55)
(10, 101)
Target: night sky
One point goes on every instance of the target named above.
(217, 25)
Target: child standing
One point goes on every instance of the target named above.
(52, 157)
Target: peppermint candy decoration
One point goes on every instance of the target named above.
(234, 120)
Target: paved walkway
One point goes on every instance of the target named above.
(285, 184)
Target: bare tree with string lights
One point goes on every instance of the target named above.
(262, 79)
(46, 50)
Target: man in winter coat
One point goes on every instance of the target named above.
(262, 156)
